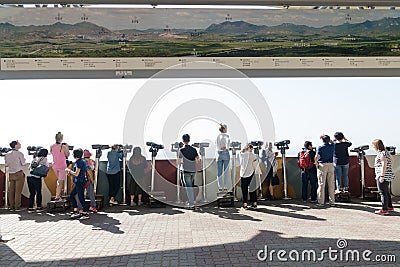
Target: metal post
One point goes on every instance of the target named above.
(96, 173)
(362, 169)
(153, 168)
(7, 178)
(233, 178)
(123, 202)
(178, 182)
(203, 157)
(285, 184)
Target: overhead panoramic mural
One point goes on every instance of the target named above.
(69, 32)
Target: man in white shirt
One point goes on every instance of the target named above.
(15, 161)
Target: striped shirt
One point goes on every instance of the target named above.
(389, 175)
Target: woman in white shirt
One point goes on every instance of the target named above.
(247, 158)
(223, 158)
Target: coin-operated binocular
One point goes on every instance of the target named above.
(3, 152)
(154, 148)
(234, 146)
(201, 147)
(99, 152)
(33, 150)
(175, 147)
(361, 155)
(283, 146)
(124, 149)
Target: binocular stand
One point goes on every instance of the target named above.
(156, 198)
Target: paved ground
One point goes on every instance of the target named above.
(123, 236)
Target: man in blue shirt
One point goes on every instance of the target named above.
(325, 170)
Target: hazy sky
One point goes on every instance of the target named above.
(117, 19)
(93, 111)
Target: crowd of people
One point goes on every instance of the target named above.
(321, 168)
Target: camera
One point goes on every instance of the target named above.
(360, 149)
(176, 146)
(32, 150)
(154, 145)
(391, 150)
(201, 145)
(258, 144)
(4, 151)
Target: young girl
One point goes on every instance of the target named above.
(79, 173)
(247, 158)
(90, 164)
(35, 182)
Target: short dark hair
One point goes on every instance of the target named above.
(307, 144)
(326, 138)
(78, 153)
(186, 138)
(13, 144)
(43, 152)
(339, 136)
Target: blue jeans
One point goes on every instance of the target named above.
(223, 164)
(90, 193)
(342, 170)
(78, 189)
(188, 179)
(309, 176)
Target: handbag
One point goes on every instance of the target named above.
(40, 170)
(275, 179)
(256, 166)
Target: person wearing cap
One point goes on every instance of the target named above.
(15, 161)
(223, 158)
(325, 170)
(90, 165)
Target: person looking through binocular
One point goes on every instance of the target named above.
(223, 158)
(60, 153)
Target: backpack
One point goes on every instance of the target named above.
(305, 161)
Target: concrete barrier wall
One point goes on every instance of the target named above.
(165, 180)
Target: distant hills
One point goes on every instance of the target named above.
(386, 26)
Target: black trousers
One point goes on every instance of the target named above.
(35, 189)
(386, 199)
(114, 183)
(245, 183)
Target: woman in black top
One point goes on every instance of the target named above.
(341, 161)
(137, 165)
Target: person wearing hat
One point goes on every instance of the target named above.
(90, 165)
